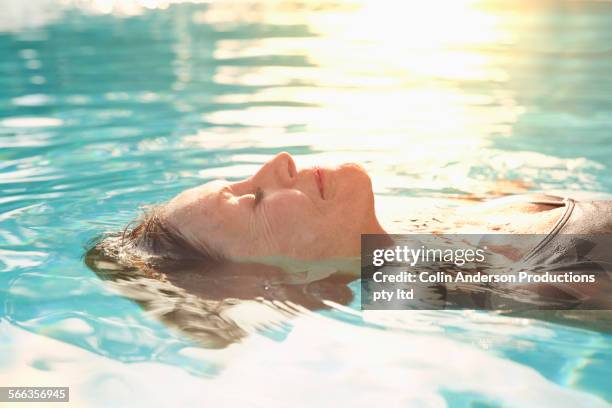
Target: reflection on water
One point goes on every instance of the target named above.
(219, 304)
(109, 105)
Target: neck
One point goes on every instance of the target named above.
(382, 239)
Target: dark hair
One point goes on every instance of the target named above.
(152, 246)
(187, 287)
(136, 261)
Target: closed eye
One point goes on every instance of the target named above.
(259, 194)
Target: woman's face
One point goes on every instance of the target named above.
(312, 213)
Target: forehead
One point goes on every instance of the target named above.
(201, 211)
(196, 199)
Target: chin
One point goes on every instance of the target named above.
(353, 167)
(355, 193)
(356, 175)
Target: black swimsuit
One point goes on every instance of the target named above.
(580, 242)
(589, 219)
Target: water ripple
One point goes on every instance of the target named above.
(109, 106)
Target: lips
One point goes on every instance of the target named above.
(318, 173)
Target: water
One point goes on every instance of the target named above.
(108, 106)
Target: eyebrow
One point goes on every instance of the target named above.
(224, 190)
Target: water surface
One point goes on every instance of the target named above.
(106, 109)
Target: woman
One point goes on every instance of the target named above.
(281, 215)
(318, 213)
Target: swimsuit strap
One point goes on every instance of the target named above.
(545, 199)
(569, 208)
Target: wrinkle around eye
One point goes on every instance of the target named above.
(261, 229)
(266, 230)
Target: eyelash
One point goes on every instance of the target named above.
(259, 194)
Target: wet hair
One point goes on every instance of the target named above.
(136, 262)
(190, 289)
(152, 246)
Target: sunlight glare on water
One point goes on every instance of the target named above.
(107, 106)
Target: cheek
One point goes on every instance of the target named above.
(354, 208)
(286, 210)
(355, 204)
(295, 221)
(354, 185)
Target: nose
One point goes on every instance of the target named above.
(280, 172)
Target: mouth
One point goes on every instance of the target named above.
(318, 174)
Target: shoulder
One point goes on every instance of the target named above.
(524, 203)
(514, 214)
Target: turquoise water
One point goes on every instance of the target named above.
(103, 111)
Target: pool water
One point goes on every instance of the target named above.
(109, 106)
